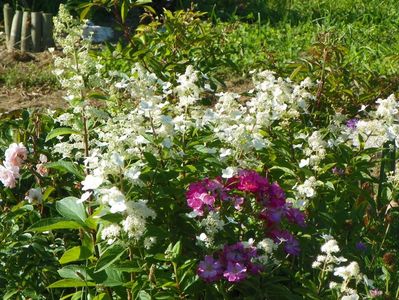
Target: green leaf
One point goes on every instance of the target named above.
(124, 10)
(10, 294)
(143, 295)
(72, 210)
(176, 250)
(60, 131)
(152, 160)
(74, 272)
(66, 166)
(53, 224)
(75, 254)
(47, 192)
(110, 256)
(85, 11)
(285, 170)
(70, 283)
(141, 2)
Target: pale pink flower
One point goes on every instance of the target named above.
(16, 154)
(41, 169)
(8, 176)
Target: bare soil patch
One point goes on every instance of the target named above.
(27, 93)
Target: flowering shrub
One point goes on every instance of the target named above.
(162, 191)
(220, 202)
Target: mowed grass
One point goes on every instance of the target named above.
(352, 45)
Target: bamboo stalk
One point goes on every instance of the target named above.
(47, 30)
(8, 13)
(36, 31)
(26, 39)
(15, 33)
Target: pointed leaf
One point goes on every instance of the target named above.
(53, 224)
(110, 256)
(75, 254)
(72, 210)
(65, 283)
(60, 131)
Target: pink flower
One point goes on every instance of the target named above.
(16, 154)
(250, 181)
(209, 269)
(195, 202)
(376, 293)
(8, 176)
(235, 272)
(41, 169)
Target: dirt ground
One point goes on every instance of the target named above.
(16, 96)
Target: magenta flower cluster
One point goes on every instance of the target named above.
(234, 263)
(211, 194)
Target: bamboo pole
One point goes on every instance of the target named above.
(26, 39)
(36, 31)
(47, 30)
(8, 13)
(15, 33)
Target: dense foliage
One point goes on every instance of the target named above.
(156, 183)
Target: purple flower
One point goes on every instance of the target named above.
(295, 216)
(273, 215)
(291, 245)
(209, 269)
(235, 272)
(338, 171)
(352, 123)
(276, 196)
(361, 246)
(234, 253)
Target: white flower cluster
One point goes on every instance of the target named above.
(212, 224)
(315, 152)
(76, 69)
(306, 191)
(135, 222)
(267, 247)
(328, 263)
(111, 233)
(376, 129)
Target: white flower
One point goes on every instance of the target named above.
(202, 237)
(304, 163)
(110, 233)
(115, 199)
(117, 159)
(229, 172)
(42, 158)
(354, 296)
(149, 242)
(133, 173)
(224, 152)
(267, 245)
(331, 246)
(34, 195)
(349, 271)
(92, 182)
(84, 197)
